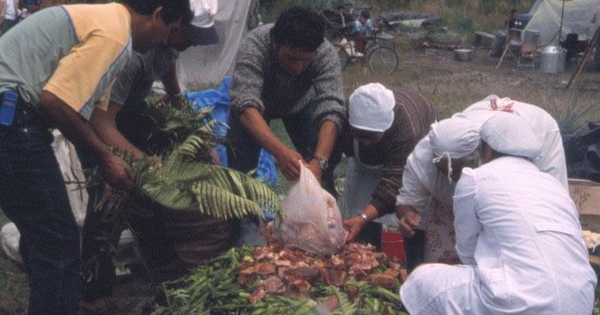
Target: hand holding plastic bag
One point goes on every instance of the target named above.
(310, 217)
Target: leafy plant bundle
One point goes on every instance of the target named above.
(180, 176)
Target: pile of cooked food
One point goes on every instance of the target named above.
(275, 279)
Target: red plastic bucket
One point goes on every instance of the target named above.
(392, 244)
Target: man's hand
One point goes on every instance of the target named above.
(289, 161)
(408, 218)
(176, 101)
(111, 199)
(80, 133)
(116, 172)
(354, 226)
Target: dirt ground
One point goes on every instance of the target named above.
(452, 85)
(133, 295)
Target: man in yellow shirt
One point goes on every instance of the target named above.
(55, 78)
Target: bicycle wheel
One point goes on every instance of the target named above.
(383, 61)
(344, 58)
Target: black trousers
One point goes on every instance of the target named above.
(414, 248)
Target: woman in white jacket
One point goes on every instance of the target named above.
(517, 234)
(426, 191)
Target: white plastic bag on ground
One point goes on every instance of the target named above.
(9, 235)
(310, 218)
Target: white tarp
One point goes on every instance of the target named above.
(576, 19)
(203, 65)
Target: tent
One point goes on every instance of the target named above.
(205, 65)
(546, 18)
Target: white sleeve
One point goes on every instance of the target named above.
(413, 192)
(466, 224)
(552, 159)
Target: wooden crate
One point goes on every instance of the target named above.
(586, 195)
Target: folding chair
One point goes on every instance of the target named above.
(527, 57)
(513, 45)
(529, 54)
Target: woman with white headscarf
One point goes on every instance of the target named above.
(517, 234)
(424, 203)
(385, 125)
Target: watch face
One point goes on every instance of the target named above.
(322, 162)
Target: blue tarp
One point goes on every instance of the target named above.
(219, 98)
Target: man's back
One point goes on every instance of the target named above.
(530, 233)
(86, 33)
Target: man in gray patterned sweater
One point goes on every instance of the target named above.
(288, 71)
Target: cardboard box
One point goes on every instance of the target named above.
(586, 195)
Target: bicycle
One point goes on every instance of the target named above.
(381, 59)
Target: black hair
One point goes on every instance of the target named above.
(173, 10)
(300, 28)
(366, 14)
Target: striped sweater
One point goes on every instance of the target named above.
(413, 115)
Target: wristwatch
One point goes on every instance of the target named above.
(364, 216)
(322, 162)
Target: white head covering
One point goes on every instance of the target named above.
(372, 108)
(510, 134)
(201, 30)
(454, 138)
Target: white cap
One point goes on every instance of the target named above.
(454, 137)
(510, 134)
(201, 30)
(371, 108)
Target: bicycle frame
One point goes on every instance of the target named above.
(381, 59)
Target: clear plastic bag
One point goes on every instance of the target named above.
(310, 218)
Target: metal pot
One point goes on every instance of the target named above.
(553, 59)
(464, 54)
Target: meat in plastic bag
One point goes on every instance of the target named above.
(310, 217)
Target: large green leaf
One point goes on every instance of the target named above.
(181, 181)
(212, 190)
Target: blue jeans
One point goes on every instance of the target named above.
(34, 197)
